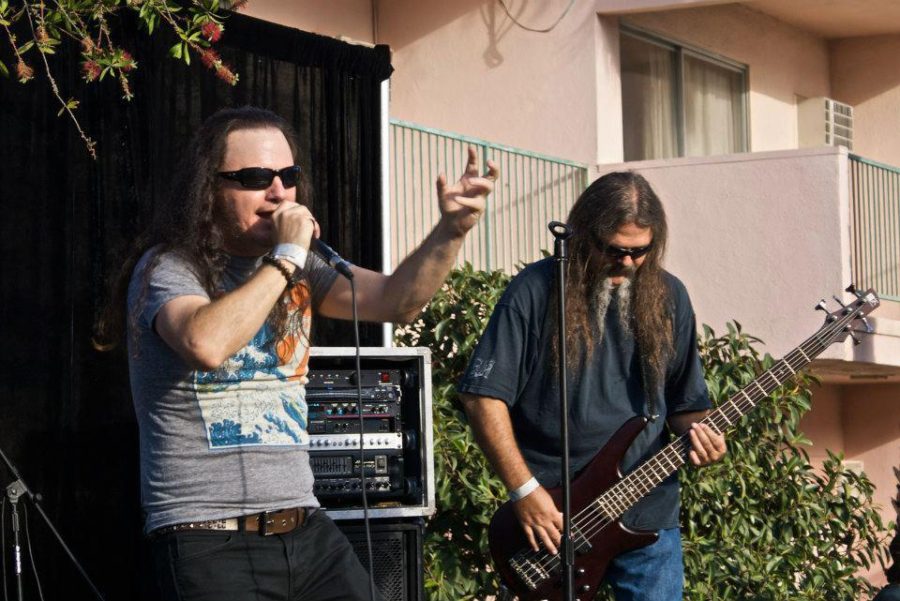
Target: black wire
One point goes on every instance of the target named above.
(37, 579)
(546, 29)
(362, 443)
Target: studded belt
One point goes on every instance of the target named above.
(266, 523)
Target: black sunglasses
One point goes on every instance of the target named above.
(260, 178)
(619, 253)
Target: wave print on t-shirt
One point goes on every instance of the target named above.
(257, 396)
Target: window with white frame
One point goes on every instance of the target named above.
(679, 101)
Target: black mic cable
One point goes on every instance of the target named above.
(330, 256)
(362, 433)
(342, 266)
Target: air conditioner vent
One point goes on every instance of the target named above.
(823, 121)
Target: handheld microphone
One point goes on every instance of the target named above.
(331, 257)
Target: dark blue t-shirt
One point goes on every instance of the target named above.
(513, 360)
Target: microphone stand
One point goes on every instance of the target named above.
(13, 492)
(16, 490)
(562, 232)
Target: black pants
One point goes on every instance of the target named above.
(313, 563)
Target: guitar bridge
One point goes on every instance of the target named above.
(533, 569)
(529, 569)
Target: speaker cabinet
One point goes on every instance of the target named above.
(396, 555)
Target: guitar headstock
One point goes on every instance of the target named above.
(840, 323)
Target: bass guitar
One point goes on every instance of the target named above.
(600, 494)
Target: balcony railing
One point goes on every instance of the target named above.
(532, 191)
(875, 222)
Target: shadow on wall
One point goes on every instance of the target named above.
(402, 23)
(865, 67)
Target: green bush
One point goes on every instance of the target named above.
(762, 524)
(457, 562)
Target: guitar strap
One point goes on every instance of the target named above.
(647, 385)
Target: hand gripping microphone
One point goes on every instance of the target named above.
(328, 254)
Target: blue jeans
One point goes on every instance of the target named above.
(652, 573)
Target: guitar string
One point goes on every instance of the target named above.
(680, 444)
(589, 528)
(596, 520)
(547, 562)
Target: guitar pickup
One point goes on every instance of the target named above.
(580, 542)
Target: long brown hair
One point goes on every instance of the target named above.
(615, 200)
(184, 222)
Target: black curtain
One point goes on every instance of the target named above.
(67, 421)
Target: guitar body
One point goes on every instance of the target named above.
(507, 538)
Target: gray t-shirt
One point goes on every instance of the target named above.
(227, 442)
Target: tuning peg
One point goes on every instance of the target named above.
(822, 306)
(853, 335)
(852, 289)
(847, 309)
(869, 328)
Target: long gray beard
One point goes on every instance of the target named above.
(602, 299)
(624, 293)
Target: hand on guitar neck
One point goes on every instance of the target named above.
(707, 445)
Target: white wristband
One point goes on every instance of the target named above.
(294, 253)
(524, 490)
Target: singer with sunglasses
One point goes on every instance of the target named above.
(631, 351)
(215, 304)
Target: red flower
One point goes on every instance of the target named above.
(91, 70)
(225, 74)
(128, 60)
(209, 57)
(23, 71)
(212, 31)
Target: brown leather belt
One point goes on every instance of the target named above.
(266, 523)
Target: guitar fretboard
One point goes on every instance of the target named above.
(633, 487)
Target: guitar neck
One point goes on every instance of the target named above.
(667, 461)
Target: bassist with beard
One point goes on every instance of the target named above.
(632, 350)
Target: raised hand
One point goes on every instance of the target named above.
(463, 203)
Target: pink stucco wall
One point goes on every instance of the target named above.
(758, 237)
(351, 19)
(463, 66)
(866, 74)
(863, 421)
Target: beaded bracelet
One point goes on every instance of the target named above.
(292, 279)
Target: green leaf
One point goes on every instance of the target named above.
(175, 51)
